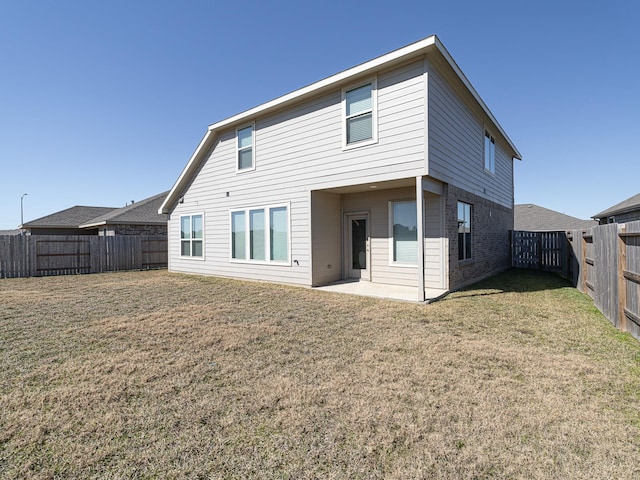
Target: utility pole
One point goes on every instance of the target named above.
(22, 209)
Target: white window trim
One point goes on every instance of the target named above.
(374, 114)
(191, 257)
(490, 171)
(253, 148)
(392, 262)
(267, 239)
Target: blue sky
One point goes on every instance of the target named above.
(102, 103)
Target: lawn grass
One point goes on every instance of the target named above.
(158, 375)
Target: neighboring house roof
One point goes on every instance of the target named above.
(428, 46)
(10, 232)
(629, 205)
(144, 212)
(70, 218)
(533, 218)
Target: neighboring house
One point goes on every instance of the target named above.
(139, 218)
(533, 218)
(320, 185)
(10, 232)
(625, 211)
(66, 222)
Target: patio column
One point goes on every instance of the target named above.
(420, 225)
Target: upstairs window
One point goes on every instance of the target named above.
(360, 115)
(245, 151)
(191, 236)
(464, 231)
(489, 153)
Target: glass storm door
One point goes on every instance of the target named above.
(358, 256)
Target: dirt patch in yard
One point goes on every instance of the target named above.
(157, 375)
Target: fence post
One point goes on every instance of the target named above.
(511, 248)
(33, 255)
(622, 281)
(539, 249)
(583, 269)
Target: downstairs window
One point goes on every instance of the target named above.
(404, 232)
(191, 236)
(464, 231)
(260, 234)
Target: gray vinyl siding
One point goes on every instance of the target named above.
(296, 151)
(305, 143)
(326, 234)
(377, 205)
(208, 195)
(456, 146)
(434, 251)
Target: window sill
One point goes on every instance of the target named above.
(260, 262)
(364, 143)
(403, 265)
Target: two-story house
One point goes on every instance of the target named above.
(394, 172)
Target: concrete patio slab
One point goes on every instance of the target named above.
(382, 290)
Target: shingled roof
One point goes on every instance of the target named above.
(533, 218)
(144, 212)
(628, 205)
(69, 218)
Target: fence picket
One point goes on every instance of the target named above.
(40, 255)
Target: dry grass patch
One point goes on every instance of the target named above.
(153, 375)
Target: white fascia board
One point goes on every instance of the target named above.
(121, 222)
(432, 41)
(452, 63)
(329, 81)
(186, 173)
(90, 225)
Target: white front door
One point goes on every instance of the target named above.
(358, 257)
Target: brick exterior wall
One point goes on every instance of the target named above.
(139, 229)
(490, 244)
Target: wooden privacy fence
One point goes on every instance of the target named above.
(603, 262)
(538, 250)
(42, 255)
